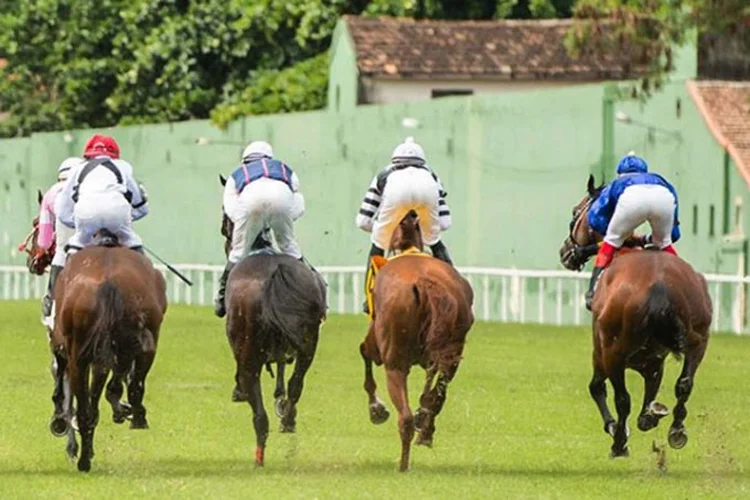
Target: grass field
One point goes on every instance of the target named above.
(518, 423)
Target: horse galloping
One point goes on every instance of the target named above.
(110, 303)
(275, 307)
(647, 304)
(421, 315)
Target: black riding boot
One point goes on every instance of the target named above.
(374, 250)
(48, 300)
(220, 307)
(592, 286)
(440, 252)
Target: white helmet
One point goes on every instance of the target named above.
(408, 150)
(68, 164)
(258, 149)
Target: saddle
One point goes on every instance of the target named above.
(105, 238)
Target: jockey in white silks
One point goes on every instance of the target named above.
(262, 193)
(408, 183)
(51, 230)
(102, 193)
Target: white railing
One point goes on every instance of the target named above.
(506, 295)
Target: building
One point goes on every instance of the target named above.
(388, 60)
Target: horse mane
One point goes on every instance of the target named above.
(407, 234)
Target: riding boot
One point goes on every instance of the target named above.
(49, 298)
(592, 286)
(374, 250)
(440, 252)
(219, 305)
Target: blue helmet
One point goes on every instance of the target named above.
(632, 164)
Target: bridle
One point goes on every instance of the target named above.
(578, 253)
(36, 260)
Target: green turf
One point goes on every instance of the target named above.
(518, 423)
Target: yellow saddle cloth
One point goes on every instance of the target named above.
(376, 264)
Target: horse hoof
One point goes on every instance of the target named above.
(84, 465)
(288, 429)
(58, 426)
(281, 407)
(619, 453)
(424, 441)
(378, 413)
(419, 419)
(647, 422)
(72, 451)
(139, 424)
(658, 410)
(259, 457)
(677, 438)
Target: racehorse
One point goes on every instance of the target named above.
(647, 304)
(37, 260)
(275, 306)
(109, 306)
(421, 315)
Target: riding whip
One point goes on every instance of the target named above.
(175, 271)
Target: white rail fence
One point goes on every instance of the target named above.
(506, 295)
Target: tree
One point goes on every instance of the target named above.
(647, 31)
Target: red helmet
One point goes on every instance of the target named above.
(101, 145)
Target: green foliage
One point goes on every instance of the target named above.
(97, 63)
(647, 31)
(301, 87)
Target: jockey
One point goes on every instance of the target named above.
(634, 197)
(51, 230)
(262, 193)
(101, 193)
(406, 184)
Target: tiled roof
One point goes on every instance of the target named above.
(403, 48)
(725, 105)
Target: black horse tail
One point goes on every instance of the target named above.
(660, 320)
(289, 306)
(109, 315)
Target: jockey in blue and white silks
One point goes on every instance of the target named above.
(634, 197)
(262, 193)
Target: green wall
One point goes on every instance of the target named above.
(513, 164)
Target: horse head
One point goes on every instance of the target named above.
(37, 259)
(408, 234)
(582, 241)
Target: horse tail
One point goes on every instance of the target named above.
(440, 328)
(288, 306)
(659, 319)
(109, 314)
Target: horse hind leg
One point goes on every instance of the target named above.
(120, 409)
(652, 411)
(677, 436)
(249, 381)
(79, 383)
(430, 404)
(296, 383)
(598, 391)
(622, 403)
(137, 389)
(378, 412)
(279, 393)
(60, 421)
(398, 392)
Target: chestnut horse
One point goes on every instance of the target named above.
(421, 315)
(109, 306)
(275, 306)
(647, 304)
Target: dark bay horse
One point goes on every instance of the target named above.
(647, 305)
(109, 306)
(275, 307)
(421, 316)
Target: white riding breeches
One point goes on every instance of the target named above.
(638, 204)
(62, 234)
(109, 211)
(265, 203)
(405, 190)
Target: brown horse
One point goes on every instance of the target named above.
(647, 304)
(110, 303)
(422, 313)
(275, 306)
(37, 260)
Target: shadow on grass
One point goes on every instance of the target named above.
(188, 467)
